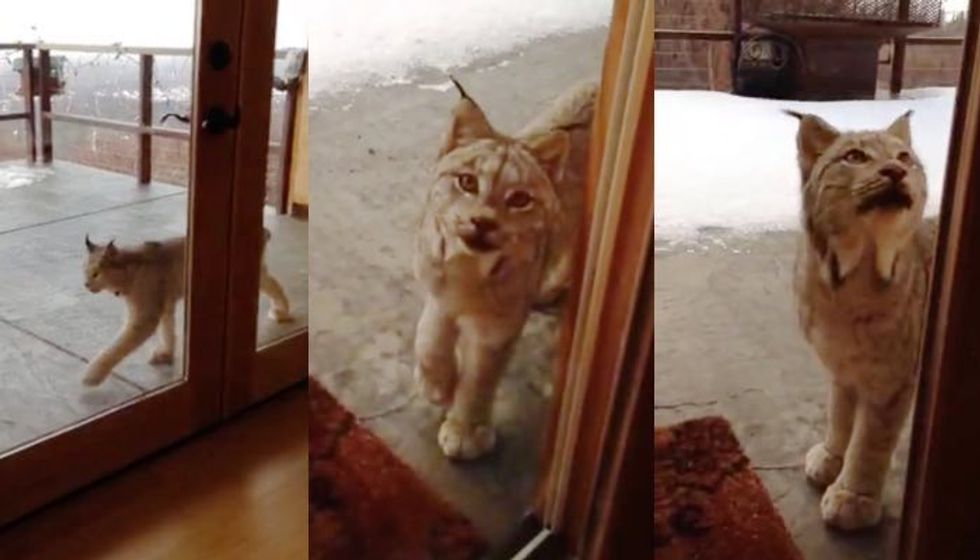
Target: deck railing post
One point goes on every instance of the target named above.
(27, 88)
(898, 52)
(44, 63)
(286, 146)
(146, 118)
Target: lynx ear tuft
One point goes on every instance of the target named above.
(111, 249)
(902, 127)
(468, 123)
(89, 245)
(459, 88)
(814, 137)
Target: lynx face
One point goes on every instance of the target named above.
(862, 192)
(101, 271)
(492, 193)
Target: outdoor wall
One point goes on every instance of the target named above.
(706, 64)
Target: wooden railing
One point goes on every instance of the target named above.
(144, 129)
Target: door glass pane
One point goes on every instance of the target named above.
(381, 105)
(283, 280)
(92, 237)
(756, 322)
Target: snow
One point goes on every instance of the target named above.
(723, 161)
(15, 176)
(384, 41)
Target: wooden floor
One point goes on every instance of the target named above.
(239, 491)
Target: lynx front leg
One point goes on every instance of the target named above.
(164, 354)
(268, 285)
(133, 334)
(853, 501)
(824, 460)
(467, 432)
(435, 360)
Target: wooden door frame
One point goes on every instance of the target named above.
(52, 466)
(603, 412)
(254, 374)
(942, 485)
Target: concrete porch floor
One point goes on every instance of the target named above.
(50, 325)
(727, 343)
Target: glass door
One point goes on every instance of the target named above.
(267, 327)
(115, 301)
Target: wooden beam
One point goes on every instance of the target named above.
(145, 161)
(938, 41)
(121, 126)
(27, 87)
(12, 116)
(47, 146)
(692, 35)
(288, 138)
(898, 54)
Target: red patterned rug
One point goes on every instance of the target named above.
(366, 504)
(708, 503)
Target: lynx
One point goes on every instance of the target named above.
(150, 277)
(494, 242)
(861, 280)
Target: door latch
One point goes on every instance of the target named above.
(216, 120)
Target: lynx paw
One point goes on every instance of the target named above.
(437, 388)
(848, 510)
(280, 315)
(821, 466)
(466, 441)
(162, 357)
(95, 376)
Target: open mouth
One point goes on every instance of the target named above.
(892, 197)
(478, 243)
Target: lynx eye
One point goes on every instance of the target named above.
(906, 158)
(856, 157)
(518, 200)
(467, 183)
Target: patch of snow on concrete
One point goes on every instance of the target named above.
(14, 176)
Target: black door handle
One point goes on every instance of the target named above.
(216, 120)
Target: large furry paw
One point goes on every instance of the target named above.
(848, 510)
(280, 315)
(821, 466)
(436, 387)
(95, 375)
(459, 440)
(162, 357)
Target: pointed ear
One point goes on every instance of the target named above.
(902, 127)
(110, 249)
(468, 123)
(550, 149)
(812, 140)
(89, 245)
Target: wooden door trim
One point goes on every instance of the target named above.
(253, 374)
(942, 483)
(599, 399)
(52, 466)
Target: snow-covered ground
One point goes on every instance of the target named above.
(384, 41)
(730, 162)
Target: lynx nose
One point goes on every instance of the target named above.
(893, 171)
(484, 225)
